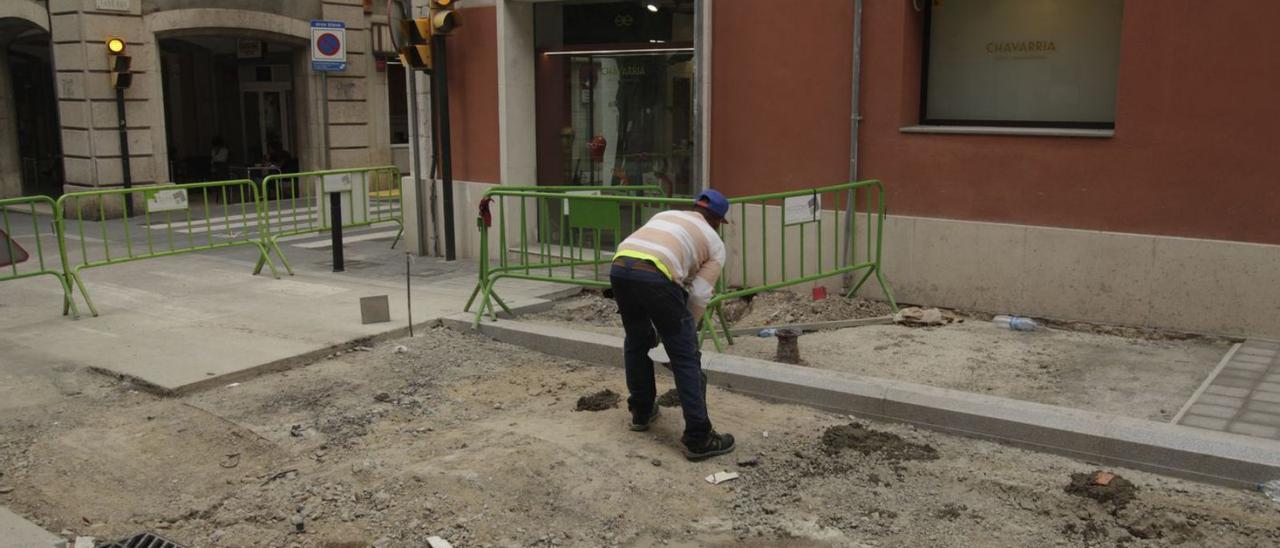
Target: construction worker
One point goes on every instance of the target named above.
(651, 270)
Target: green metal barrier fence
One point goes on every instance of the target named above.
(298, 203)
(808, 232)
(557, 233)
(16, 260)
(786, 224)
(166, 220)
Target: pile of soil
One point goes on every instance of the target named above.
(670, 398)
(1117, 493)
(586, 308)
(590, 309)
(604, 399)
(785, 307)
(866, 441)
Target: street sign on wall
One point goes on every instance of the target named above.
(328, 46)
(114, 5)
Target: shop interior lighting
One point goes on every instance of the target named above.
(652, 7)
(632, 51)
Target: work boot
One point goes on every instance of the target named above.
(640, 423)
(714, 444)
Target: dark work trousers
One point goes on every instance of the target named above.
(647, 299)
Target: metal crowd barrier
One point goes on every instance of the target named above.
(788, 222)
(803, 236)
(16, 260)
(556, 233)
(165, 220)
(297, 203)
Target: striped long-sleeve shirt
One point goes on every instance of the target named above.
(685, 248)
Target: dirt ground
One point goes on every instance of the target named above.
(1133, 372)
(479, 442)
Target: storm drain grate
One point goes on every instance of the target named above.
(143, 540)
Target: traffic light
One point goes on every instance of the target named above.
(443, 18)
(118, 64)
(416, 53)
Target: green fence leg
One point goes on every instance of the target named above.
(728, 337)
(504, 306)
(263, 257)
(484, 303)
(858, 285)
(888, 293)
(68, 301)
(75, 275)
(472, 299)
(275, 245)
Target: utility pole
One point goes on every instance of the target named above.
(121, 78)
(421, 44)
(446, 152)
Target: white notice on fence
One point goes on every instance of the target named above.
(801, 209)
(167, 200)
(578, 193)
(340, 182)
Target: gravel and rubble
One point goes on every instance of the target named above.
(1132, 371)
(479, 443)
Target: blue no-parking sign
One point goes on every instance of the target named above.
(328, 46)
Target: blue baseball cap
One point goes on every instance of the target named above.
(715, 202)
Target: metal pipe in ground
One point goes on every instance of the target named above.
(788, 346)
(335, 219)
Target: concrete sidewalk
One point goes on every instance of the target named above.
(190, 321)
(17, 532)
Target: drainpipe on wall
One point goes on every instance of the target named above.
(701, 95)
(57, 111)
(855, 119)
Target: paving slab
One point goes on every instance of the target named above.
(182, 323)
(17, 532)
(1242, 395)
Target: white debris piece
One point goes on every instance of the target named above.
(437, 542)
(401, 349)
(84, 542)
(721, 477)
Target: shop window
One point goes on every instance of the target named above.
(1028, 63)
(615, 93)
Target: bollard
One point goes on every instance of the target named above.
(788, 346)
(335, 219)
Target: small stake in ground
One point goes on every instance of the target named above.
(788, 346)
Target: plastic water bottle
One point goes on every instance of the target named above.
(1271, 489)
(767, 332)
(1015, 323)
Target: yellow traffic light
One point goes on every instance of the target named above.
(118, 63)
(417, 56)
(443, 18)
(416, 53)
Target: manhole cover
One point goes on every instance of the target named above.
(143, 540)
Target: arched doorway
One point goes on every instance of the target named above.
(231, 105)
(30, 140)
